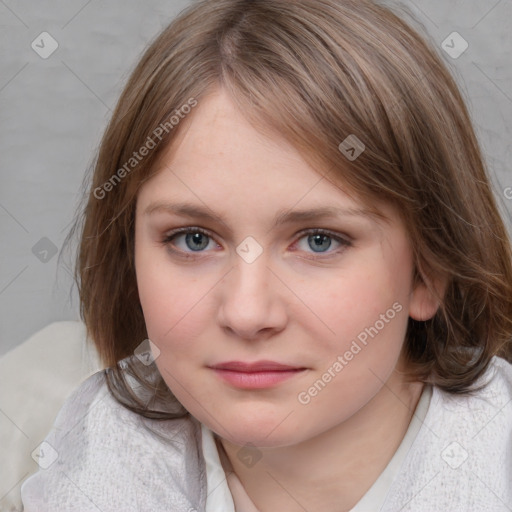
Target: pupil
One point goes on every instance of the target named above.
(318, 240)
(196, 238)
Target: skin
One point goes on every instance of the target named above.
(209, 306)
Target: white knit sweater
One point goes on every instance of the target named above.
(101, 457)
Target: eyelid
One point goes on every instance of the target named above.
(323, 231)
(187, 229)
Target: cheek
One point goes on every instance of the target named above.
(367, 297)
(352, 364)
(366, 312)
(170, 300)
(173, 315)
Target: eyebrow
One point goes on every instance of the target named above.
(284, 216)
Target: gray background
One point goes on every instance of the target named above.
(53, 112)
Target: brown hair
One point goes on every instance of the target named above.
(315, 72)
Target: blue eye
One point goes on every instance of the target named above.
(196, 240)
(320, 241)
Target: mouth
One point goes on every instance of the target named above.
(257, 375)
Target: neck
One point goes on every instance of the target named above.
(332, 471)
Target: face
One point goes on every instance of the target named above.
(253, 281)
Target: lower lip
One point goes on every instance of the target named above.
(256, 380)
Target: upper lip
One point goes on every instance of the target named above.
(257, 366)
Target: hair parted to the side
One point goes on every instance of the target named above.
(314, 72)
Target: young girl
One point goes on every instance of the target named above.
(294, 270)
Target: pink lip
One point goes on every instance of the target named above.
(258, 375)
(257, 366)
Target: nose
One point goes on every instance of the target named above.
(252, 305)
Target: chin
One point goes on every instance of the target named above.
(258, 439)
(259, 433)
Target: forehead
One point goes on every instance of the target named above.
(219, 161)
(217, 132)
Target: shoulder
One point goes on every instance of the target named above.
(486, 409)
(100, 455)
(461, 457)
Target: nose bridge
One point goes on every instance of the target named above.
(249, 301)
(250, 279)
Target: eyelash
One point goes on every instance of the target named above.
(345, 242)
